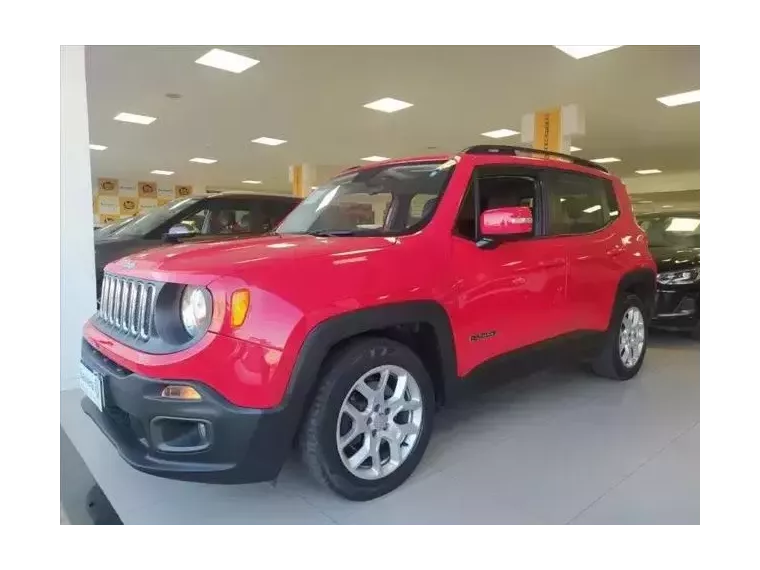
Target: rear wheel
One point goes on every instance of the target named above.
(626, 341)
(370, 421)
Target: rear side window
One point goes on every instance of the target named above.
(579, 204)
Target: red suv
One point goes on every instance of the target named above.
(343, 331)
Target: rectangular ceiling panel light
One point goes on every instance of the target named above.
(575, 148)
(649, 171)
(227, 61)
(680, 98)
(375, 158)
(268, 141)
(500, 133)
(251, 181)
(200, 160)
(162, 172)
(388, 105)
(98, 147)
(605, 160)
(579, 52)
(132, 118)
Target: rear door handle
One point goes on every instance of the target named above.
(552, 263)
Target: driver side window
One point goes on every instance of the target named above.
(496, 190)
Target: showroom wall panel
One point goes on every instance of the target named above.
(114, 198)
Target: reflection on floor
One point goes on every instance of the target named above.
(82, 499)
(555, 448)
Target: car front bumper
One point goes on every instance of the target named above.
(677, 307)
(163, 437)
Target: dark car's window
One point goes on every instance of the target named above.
(108, 230)
(151, 220)
(578, 203)
(671, 230)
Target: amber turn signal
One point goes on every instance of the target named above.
(180, 393)
(239, 307)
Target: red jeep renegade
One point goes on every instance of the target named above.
(343, 330)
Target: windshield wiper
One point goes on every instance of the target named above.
(331, 233)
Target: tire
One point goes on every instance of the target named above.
(609, 362)
(336, 403)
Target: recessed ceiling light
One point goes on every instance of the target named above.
(132, 118)
(579, 52)
(388, 105)
(203, 160)
(162, 172)
(644, 202)
(667, 206)
(575, 148)
(268, 141)
(251, 181)
(649, 171)
(500, 133)
(227, 61)
(98, 147)
(605, 160)
(375, 158)
(680, 98)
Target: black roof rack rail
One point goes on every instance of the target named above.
(520, 151)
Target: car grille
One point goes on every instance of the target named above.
(128, 305)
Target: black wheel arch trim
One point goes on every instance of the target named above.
(329, 333)
(635, 278)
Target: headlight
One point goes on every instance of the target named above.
(195, 309)
(679, 277)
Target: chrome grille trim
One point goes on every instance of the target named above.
(128, 305)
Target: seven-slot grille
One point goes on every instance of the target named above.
(128, 305)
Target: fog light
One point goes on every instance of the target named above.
(180, 393)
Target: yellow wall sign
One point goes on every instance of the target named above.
(547, 133)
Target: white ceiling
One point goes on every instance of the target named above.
(313, 97)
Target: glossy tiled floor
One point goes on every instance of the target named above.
(556, 448)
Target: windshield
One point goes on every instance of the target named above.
(112, 227)
(678, 230)
(383, 200)
(150, 220)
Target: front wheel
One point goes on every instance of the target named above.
(370, 421)
(626, 341)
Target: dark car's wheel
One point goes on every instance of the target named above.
(370, 421)
(626, 341)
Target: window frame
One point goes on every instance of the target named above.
(504, 171)
(608, 189)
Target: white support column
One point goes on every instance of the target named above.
(77, 240)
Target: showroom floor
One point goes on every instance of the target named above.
(554, 448)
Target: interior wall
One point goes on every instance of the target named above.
(666, 182)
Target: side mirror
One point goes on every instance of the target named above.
(514, 220)
(180, 230)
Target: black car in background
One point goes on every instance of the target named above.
(674, 243)
(212, 217)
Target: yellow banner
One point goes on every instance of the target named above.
(547, 130)
(296, 181)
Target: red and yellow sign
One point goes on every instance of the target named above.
(547, 132)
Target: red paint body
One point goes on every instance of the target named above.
(525, 290)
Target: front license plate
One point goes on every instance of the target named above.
(92, 385)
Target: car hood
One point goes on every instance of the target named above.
(200, 263)
(675, 258)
